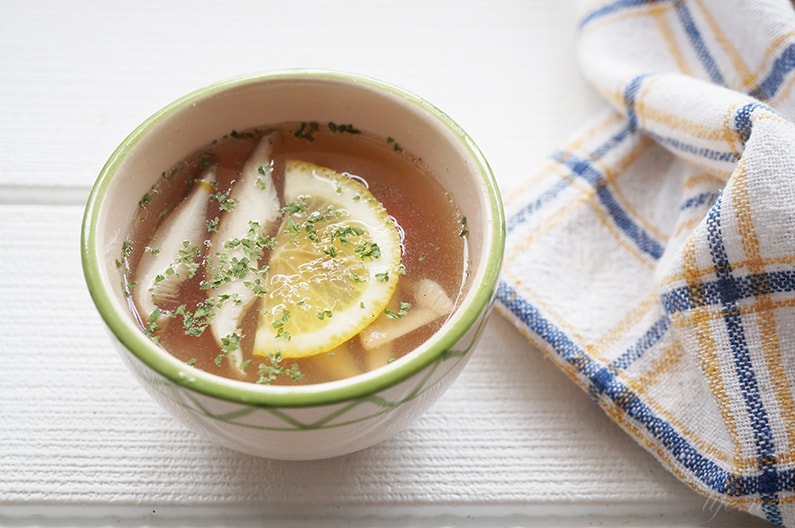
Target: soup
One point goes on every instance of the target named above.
(295, 254)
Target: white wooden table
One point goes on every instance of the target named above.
(513, 443)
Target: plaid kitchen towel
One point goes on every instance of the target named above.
(653, 258)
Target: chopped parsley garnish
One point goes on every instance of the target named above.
(224, 201)
(126, 248)
(220, 300)
(343, 233)
(228, 268)
(368, 250)
(152, 328)
(238, 268)
(263, 172)
(242, 135)
(231, 342)
(404, 309)
(325, 314)
(144, 201)
(196, 322)
(256, 286)
(294, 208)
(187, 257)
(279, 325)
(395, 146)
(349, 128)
(307, 130)
(270, 371)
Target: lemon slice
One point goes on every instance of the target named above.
(334, 267)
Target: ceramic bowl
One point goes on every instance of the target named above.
(295, 422)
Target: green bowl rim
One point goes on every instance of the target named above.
(129, 335)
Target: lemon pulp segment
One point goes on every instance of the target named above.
(334, 267)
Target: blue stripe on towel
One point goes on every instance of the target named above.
(782, 66)
(646, 342)
(584, 169)
(630, 95)
(615, 7)
(743, 120)
(708, 154)
(744, 368)
(699, 200)
(547, 196)
(708, 293)
(698, 44)
(688, 24)
(552, 192)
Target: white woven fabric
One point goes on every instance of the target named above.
(653, 258)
